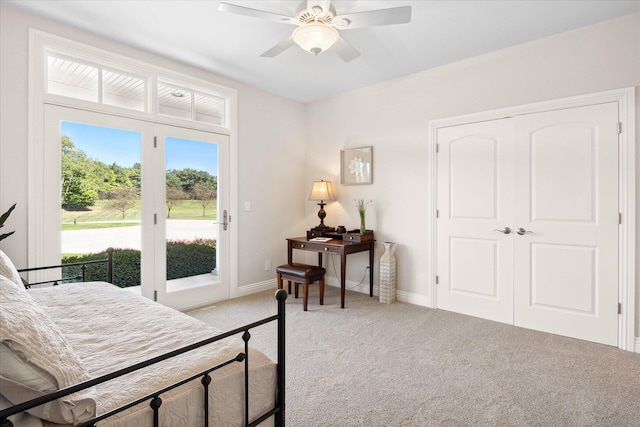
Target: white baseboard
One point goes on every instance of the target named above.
(256, 287)
(637, 349)
(411, 298)
(351, 285)
(363, 288)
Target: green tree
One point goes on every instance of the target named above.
(76, 188)
(190, 177)
(134, 173)
(121, 175)
(123, 199)
(175, 196)
(204, 194)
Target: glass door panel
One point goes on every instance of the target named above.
(100, 199)
(195, 264)
(92, 191)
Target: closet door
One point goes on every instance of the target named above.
(475, 214)
(566, 252)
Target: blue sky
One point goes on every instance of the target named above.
(122, 147)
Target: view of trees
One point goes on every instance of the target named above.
(86, 180)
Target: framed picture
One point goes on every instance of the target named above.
(356, 165)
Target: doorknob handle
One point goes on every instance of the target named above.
(505, 230)
(225, 220)
(522, 231)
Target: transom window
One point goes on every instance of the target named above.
(87, 80)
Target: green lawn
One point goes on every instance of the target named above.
(102, 212)
(93, 225)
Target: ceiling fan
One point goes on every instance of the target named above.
(318, 25)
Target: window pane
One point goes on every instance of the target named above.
(72, 79)
(192, 212)
(174, 101)
(122, 90)
(209, 109)
(100, 200)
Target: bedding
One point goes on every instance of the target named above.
(8, 270)
(36, 359)
(109, 328)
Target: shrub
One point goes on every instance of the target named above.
(188, 258)
(184, 258)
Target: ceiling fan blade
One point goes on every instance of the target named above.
(255, 13)
(279, 48)
(372, 18)
(344, 50)
(324, 4)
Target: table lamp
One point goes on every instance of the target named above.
(321, 191)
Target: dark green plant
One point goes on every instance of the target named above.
(184, 259)
(3, 218)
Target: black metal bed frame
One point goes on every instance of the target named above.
(154, 398)
(83, 268)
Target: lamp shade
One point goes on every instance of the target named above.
(315, 37)
(322, 190)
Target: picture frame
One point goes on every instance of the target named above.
(356, 165)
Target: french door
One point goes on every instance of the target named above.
(164, 204)
(528, 221)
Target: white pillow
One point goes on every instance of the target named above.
(37, 359)
(8, 270)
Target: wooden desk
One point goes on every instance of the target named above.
(334, 246)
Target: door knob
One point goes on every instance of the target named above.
(505, 230)
(522, 231)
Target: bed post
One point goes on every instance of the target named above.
(281, 296)
(110, 265)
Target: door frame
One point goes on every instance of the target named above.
(627, 173)
(39, 44)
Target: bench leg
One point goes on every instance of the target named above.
(296, 289)
(305, 296)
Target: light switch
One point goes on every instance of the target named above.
(247, 206)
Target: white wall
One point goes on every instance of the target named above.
(271, 134)
(276, 167)
(393, 117)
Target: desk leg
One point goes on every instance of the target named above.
(371, 270)
(343, 277)
(289, 261)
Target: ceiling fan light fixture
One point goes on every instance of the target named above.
(315, 37)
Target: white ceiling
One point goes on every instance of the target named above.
(440, 32)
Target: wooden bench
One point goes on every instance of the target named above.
(302, 274)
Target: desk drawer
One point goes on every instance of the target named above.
(316, 247)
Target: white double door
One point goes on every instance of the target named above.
(527, 228)
(156, 148)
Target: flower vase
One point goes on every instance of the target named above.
(388, 274)
(363, 228)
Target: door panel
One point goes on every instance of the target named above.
(473, 177)
(197, 156)
(475, 198)
(566, 264)
(562, 159)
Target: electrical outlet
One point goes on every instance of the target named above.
(267, 265)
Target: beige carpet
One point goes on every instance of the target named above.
(374, 364)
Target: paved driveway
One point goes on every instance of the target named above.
(86, 241)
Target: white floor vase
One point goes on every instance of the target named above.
(388, 274)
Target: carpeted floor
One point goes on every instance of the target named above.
(374, 364)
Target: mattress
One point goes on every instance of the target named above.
(111, 328)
